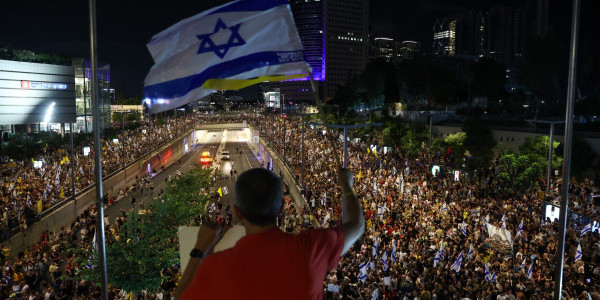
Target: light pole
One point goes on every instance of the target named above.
(551, 146)
(303, 167)
(346, 127)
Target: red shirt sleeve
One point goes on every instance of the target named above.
(326, 246)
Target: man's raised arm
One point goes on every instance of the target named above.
(353, 222)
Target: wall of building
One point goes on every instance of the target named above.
(511, 139)
(27, 91)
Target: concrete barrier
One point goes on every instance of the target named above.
(67, 213)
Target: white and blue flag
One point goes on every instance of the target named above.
(443, 208)
(456, 265)
(489, 277)
(375, 247)
(471, 251)
(394, 253)
(224, 48)
(463, 228)
(375, 295)
(520, 228)
(503, 222)
(362, 271)
(530, 271)
(324, 199)
(578, 253)
(587, 228)
(523, 266)
(384, 261)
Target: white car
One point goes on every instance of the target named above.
(225, 155)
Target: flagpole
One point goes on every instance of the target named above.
(98, 151)
(566, 169)
(324, 119)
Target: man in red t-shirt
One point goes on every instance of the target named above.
(267, 263)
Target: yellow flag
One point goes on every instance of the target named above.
(62, 193)
(220, 191)
(39, 206)
(368, 150)
(375, 153)
(32, 161)
(359, 174)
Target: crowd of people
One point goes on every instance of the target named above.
(418, 225)
(26, 190)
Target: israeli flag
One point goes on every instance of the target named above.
(362, 271)
(443, 208)
(456, 265)
(578, 253)
(523, 265)
(213, 207)
(520, 228)
(463, 228)
(375, 248)
(503, 222)
(485, 226)
(375, 294)
(489, 277)
(324, 199)
(394, 253)
(471, 251)
(586, 229)
(441, 251)
(227, 47)
(45, 194)
(384, 261)
(530, 271)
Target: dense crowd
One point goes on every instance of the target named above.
(418, 225)
(26, 191)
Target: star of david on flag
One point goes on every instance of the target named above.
(229, 47)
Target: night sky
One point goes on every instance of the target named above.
(125, 26)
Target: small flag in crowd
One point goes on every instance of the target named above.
(225, 190)
(503, 222)
(523, 266)
(362, 271)
(489, 277)
(586, 229)
(213, 206)
(439, 255)
(578, 253)
(40, 206)
(324, 198)
(394, 253)
(359, 175)
(443, 208)
(530, 271)
(375, 294)
(220, 191)
(375, 247)
(463, 228)
(520, 228)
(471, 251)
(457, 263)
(384, 260)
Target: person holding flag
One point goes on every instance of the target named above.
(267, 263)
(363, 269)
(489, 277)
(456, 265)
(578, 253)
(520, 228)
(471, 251)
(587, 228)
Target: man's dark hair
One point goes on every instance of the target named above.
(258, 195)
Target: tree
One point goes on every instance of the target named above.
(479, 142)
(518, 173)
(146, 243)
(540, 146)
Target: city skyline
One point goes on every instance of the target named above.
(125, 28)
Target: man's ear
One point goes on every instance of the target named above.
(237, 212)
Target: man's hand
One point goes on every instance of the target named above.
(345, 179)
(209, 235)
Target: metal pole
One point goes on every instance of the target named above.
(302, 182)
(284, 160)
(84, 100)
(345, 147)
(72, 167)
(123, 137)
(548, 185)
(564, 201)
(97, 153)
(430, 129)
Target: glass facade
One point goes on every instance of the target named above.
(83, 92)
